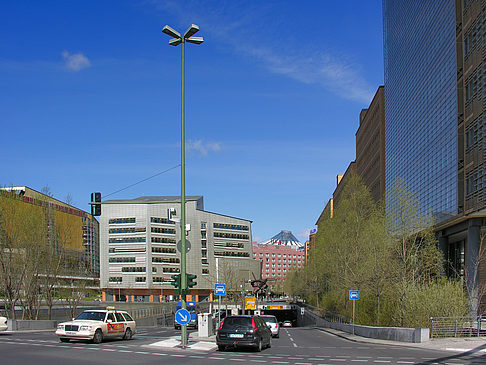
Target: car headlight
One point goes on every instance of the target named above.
(60, 326)
(85, 328)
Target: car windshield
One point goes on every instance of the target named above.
(92, 316)
(235, 322)
(269, 319)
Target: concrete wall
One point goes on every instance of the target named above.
(414, 335)
(26, 325)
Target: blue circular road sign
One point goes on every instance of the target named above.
(182, 316)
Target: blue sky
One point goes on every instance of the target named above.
(90, 101)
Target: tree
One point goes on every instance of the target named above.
(418, 258)
(391, 257)
(20, 230)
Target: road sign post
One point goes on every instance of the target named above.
(182, 316)
(219, 289)
(354, 296)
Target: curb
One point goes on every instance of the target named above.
(455, 345)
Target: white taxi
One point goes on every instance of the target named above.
(96, 325)
(3, 323)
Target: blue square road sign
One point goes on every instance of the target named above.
(219, 289)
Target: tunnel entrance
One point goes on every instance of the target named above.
(283, 312)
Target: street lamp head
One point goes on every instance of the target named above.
(175, 41)
(171, 32)
(195, 40)
(193, 29)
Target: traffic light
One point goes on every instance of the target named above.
(95, 204)
(191, 280)
(177, 281)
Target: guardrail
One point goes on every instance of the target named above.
(414, 335)
(441, 327)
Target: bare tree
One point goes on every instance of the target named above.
(15, 238)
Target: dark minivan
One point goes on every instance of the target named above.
(243, 331)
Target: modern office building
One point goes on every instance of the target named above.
(72, 231)
(139, 248)
(435, 119)
(370, 146)
(278, 255)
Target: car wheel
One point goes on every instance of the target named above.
(98, 336)
(277, 335)
(64, 339)
(128, 334)
(259, 346)
(221, 347)
(269, 343)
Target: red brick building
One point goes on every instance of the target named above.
(279, 255)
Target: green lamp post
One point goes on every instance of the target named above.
(175, 41)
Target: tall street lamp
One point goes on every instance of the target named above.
(175, 41)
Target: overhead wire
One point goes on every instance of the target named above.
(141, 181)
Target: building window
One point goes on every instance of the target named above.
(121, 220)
(140, 279)
(231, 235)
(163, 240)
(126, 230)
(126, 250)
(231, 253)
(230, 226)
(127, 240)
(121, 259)
(115, 279)
(229, 244)
(161, 220)
(133, 269)
(163, 250)
(203, 225)
(205, 271)
(163, 230)
(167, 260)
(171, 269)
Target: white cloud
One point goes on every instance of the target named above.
(203, 147)
(75, 62)
(304, 234)
(300, 61)
(257, 239)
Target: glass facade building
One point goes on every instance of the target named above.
(421, 103)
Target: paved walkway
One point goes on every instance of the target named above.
(474, 344)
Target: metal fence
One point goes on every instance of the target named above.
(329, 316)
(441, 327)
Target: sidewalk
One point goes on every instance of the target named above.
(194, 342)
(454, 344)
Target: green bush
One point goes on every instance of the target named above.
(444, 298)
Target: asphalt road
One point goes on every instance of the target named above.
(299, 346)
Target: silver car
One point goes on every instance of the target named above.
(272, 323)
